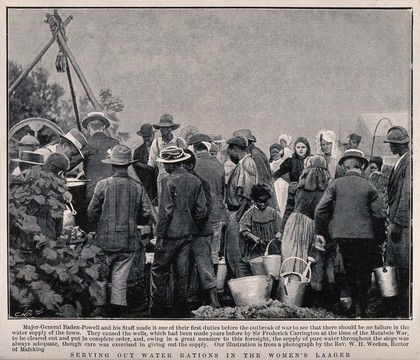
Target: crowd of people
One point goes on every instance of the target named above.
(211, 200)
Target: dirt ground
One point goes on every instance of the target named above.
(138, 295)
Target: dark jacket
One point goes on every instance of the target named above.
(399, 193)
(204, 226)
(350, 208)
(292, 166)
(115, 206)
(147, 175)
(95, 151)
(210, 169)
(181, 205)
(264, 172)
(303, 202)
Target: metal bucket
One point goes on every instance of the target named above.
(251, 290)
(221, 275)
(272, 263)
(293, 285)
(68, 216)
(386, 280)
(257, 266)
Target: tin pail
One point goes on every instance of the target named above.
(257, 266)
(293, 285)
(386, 280)
(272, 263)
(251, 290)
(68, 216)
(221, 275)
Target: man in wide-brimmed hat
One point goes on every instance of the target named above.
(116, 203)
(166, 125)
(350, 213)
(182, 205)
(399, 203)
(146, 174)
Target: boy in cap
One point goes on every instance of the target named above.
(350, 212)
(116, 203)
(182, 206)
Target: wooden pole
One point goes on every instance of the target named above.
(97, 106)
(30, 66)
(35, 61)
(73, 96)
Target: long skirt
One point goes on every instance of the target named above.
(298, 237)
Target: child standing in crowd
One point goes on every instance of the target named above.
(258, 226)
(350, 212)
(116, 203)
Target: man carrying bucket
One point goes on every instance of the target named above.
(353, 197)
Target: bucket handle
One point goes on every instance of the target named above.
(384, 269)
(268, 245)
(70, 207)
(248, 257)
(298, 258)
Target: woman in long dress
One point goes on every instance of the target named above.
(298, 234)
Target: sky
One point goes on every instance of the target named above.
(273, 71)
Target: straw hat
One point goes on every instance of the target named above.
(172, 154)
(76, 138)
(354, 153)
(96, 115)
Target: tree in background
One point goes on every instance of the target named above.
(111, 106)
(36, 97)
